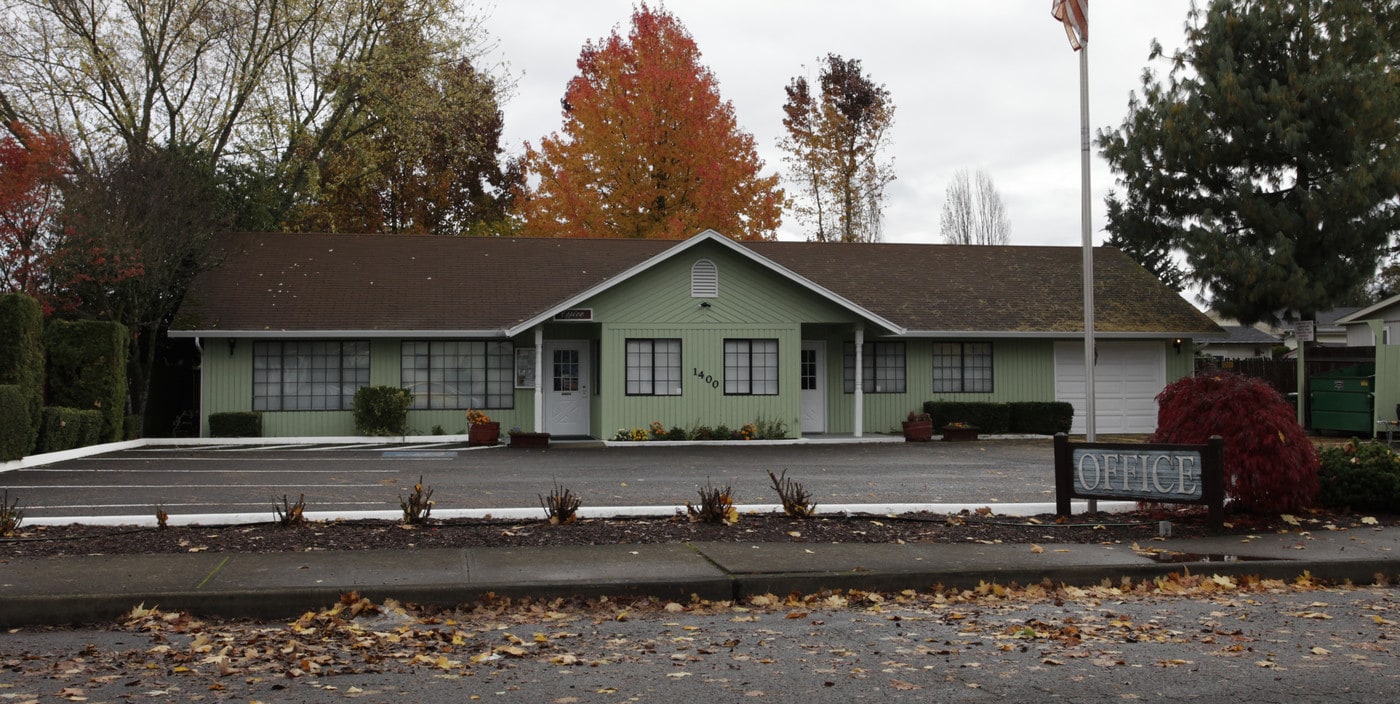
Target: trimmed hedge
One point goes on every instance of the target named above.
(235, 424)
(992, 418)
(87, 369)
(66, 428)
(1041, 417)
(15, 440)
(989, 418)
(22, 357)
(382, 410)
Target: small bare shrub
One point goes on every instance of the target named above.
(10, 515)
(796, 501)
(162, 518)
(716, 506)
(561, 506)
(418, 506)
(290, 515)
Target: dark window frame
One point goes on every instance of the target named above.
(316, 374)
(734, 384)
(497, 386)
(652, 366)
(968, 360)
(873, 369)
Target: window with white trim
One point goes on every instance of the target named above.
(962, 367)
(704, 279)
(751, 367)
(654, 367)
(309, 375)
(459, 374)
(882, 364)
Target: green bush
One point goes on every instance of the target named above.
(68, 428)
(1362, 477)
(22, 357)
(235, 424)
(1041, 417)
(14, 432)
(989, 418)
(87, 369)
(382, 410)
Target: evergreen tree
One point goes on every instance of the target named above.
(1269, 158)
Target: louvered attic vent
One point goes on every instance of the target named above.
(704, 280)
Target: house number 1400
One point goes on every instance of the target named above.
(708, 379)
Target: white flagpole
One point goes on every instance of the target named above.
(1086, 227)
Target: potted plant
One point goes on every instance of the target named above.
(958, 430)
(527, 440)
(918, 427)
(482, 430)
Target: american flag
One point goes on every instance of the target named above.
(1075, 16)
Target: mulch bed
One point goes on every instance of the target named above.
(980, 526)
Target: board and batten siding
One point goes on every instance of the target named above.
(702, 400)
(1022, 370)
(226, 384)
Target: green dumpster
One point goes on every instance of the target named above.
(1344, 399)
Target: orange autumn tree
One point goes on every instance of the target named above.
(648, 148)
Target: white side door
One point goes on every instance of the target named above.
(813, 377)
(566, 387)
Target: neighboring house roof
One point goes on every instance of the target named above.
(1245, 335)
(1372, 311)
(1332, 319)
(387, 284)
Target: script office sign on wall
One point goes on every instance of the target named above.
(1183, 474)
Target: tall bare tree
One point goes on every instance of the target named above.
(834, 146)
(973, 212)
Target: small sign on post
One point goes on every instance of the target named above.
(1157, 473)
(1304, 331)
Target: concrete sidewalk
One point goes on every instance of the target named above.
(72, 590)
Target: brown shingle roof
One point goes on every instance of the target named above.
(315, 282)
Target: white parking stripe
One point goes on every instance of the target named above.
(72, 487)
(101, 470)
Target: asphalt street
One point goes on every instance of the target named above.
(248, 479)
(1093, 645)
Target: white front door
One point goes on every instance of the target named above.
(813, 377)
(566, 387)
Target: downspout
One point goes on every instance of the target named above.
(860, 380)
(539, 378)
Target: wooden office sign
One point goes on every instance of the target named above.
(1183, 474)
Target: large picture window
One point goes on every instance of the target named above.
(654, 367)
(882, 365)
(459, 374)
(962, 367)
(751, 367)
(308, 375)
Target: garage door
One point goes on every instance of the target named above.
(1127, 379)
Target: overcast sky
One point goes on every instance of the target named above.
(990, 85)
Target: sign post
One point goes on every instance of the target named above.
(1156, 473)
(1303, 332)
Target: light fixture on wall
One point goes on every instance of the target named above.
(705, 304)
(232, 343)
(1177, 345)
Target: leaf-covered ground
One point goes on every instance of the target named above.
(980, 526)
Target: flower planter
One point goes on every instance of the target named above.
(918, 430)
(484, 434)
(959, 434)
(529, 441)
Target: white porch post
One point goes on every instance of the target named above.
(539, 378)
(860, 380)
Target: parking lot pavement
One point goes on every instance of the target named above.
(344, 477)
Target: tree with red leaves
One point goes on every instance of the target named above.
(1270, 464)
(649, 149)
(33, 166)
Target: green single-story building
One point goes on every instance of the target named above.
(581, 337)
